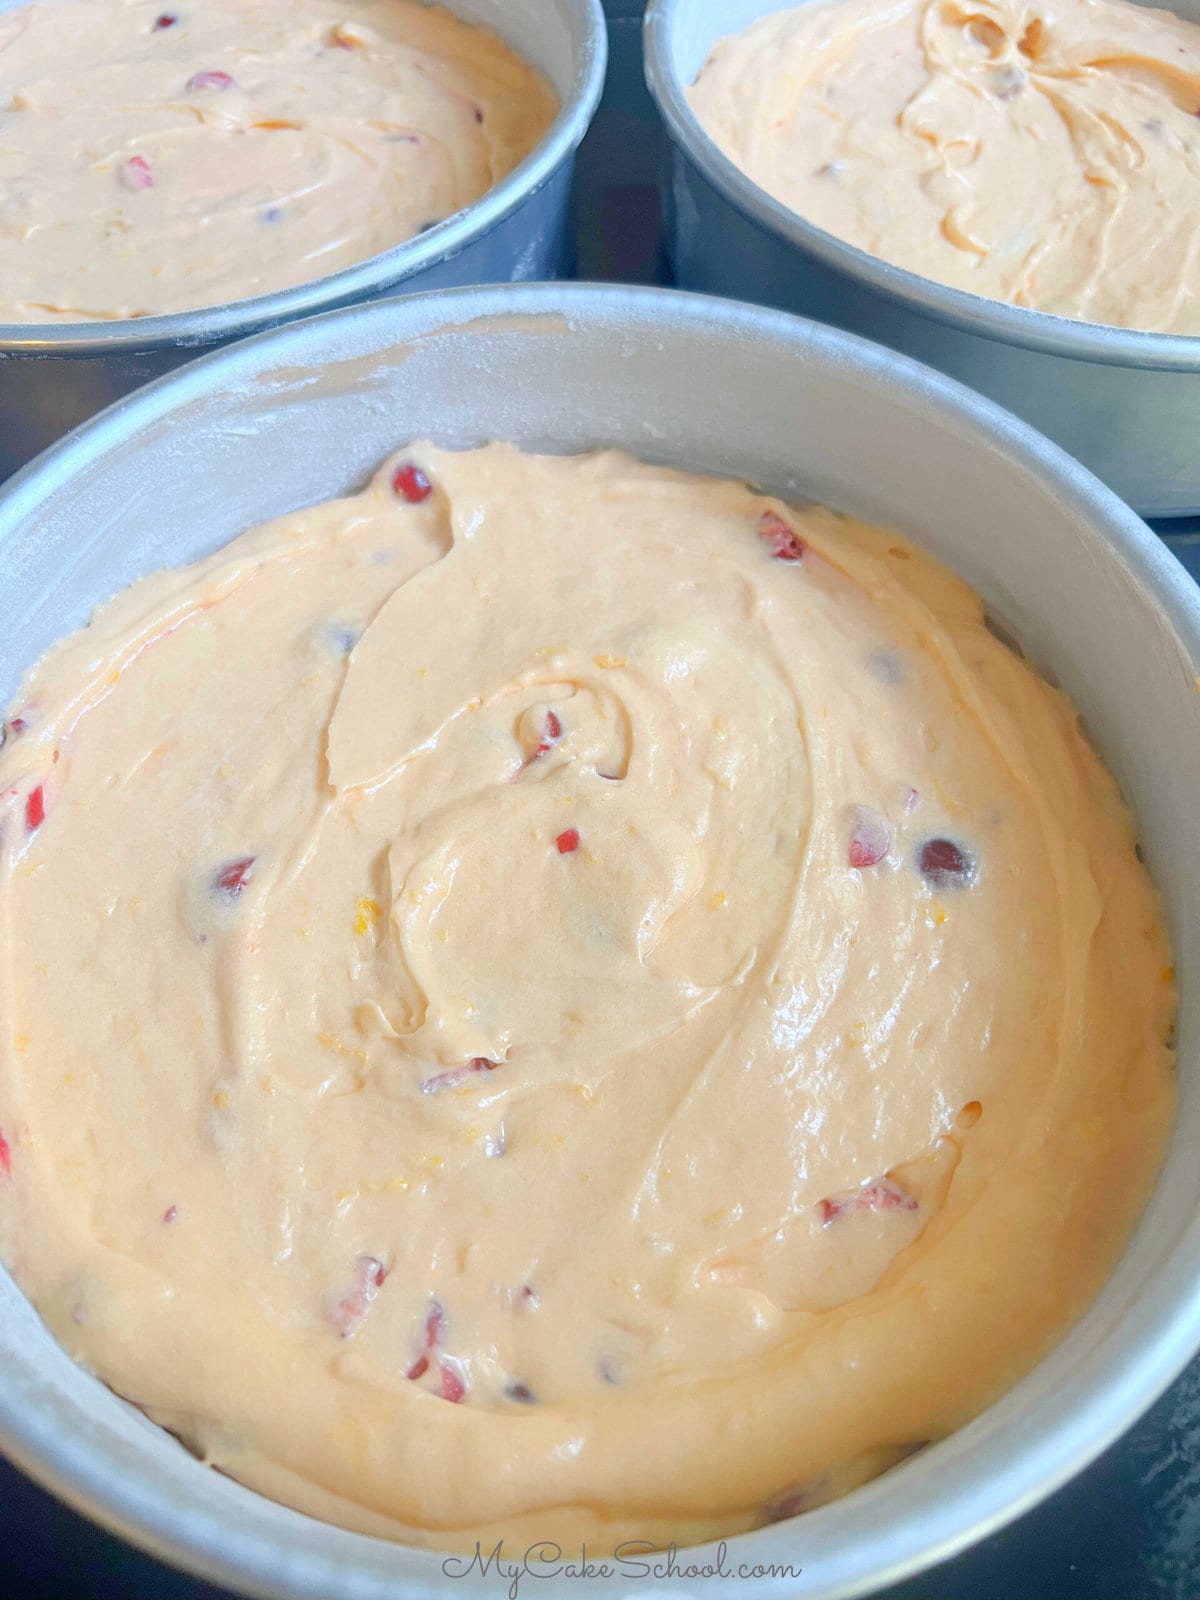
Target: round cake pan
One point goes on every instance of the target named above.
(307, 412)
(1126, 404)
(52, 376)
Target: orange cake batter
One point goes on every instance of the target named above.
(559, 999)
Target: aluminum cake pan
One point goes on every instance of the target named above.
(307, 412)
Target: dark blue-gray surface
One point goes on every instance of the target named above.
(1128, 1529)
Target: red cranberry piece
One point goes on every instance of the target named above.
(210, 80)
(232, 879)
(568, 841)
(456, 1075)
(410, 483)
(453, 1387)
(350, 1311)
(35, 809)
(136, 174)
(165, 19)
(870, 837)
(435, 1321)
(945, 864)
(551, 734)
(779, 539)
(170, 1214)
(17, 725)
(5, 1156)
(884, 1194)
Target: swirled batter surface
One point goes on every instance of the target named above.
(1047, 154)
(157, 157)
(554, 997)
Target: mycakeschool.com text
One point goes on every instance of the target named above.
(635, 1559)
